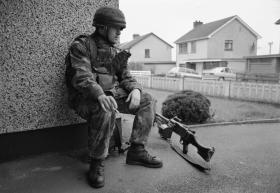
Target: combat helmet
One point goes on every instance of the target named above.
(109, 16)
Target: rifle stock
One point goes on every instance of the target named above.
(168, 126)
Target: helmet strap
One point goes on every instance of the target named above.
(106, 33)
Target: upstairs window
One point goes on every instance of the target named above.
(193, 47)
(147, 53)
(228, 45)
(253, 47)
(183, 48)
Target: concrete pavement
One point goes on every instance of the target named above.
(246, 160)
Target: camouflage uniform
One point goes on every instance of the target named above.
(95, 71)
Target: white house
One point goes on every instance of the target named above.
(223, 42)
(149, 52)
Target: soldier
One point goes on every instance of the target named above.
(98, 84)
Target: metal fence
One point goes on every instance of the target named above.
(262, 92)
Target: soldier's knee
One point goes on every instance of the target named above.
(101, 115)
(105, 114)
(148, 97)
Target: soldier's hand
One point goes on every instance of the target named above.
(134, 98)
(107, 103)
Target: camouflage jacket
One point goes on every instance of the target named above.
(93, 67)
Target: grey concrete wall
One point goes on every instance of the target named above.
(35, 35)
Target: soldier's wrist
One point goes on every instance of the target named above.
(101, 96)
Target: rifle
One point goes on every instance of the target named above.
(168, 126)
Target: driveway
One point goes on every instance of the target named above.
(246, 160)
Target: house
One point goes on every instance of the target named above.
(149, 52)
(223, 42)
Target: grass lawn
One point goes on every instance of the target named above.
(227, 109)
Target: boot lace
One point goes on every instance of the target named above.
(100, 169)
(148, 156)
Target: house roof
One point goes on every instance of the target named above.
(213, 59)
(263, 56)
(159, 62)
(207, 30)
(130, 44)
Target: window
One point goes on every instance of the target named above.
(191, 65)
(182, 65)
(252, 48)
(183, 48)
(193, 47)
(228, 45)
(147, 53)
(210, 65)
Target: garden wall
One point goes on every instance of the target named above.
(261, 92)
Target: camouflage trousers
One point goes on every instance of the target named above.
(101, 124)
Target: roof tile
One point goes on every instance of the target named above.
(130, 44)
(204, 30)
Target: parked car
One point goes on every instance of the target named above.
(183, 72)
(219, 73)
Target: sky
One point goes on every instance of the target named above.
(171, 19)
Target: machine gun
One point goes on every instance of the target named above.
(168, 126)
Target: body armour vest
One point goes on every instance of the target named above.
(103, 65)
(108, 68)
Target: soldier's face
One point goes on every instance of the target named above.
(114, 34)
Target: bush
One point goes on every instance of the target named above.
(190, 106)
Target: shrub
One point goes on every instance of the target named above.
(190, 106)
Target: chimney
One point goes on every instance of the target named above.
(135, 36)
(197, 23)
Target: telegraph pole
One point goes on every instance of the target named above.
(278, 23)
(270, 45)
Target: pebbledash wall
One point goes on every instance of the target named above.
(35, 35)
(251, 91)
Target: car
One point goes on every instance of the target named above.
(219, 73)
(183, 72)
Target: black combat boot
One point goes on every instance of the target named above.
(96, 173)
(137, 155)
